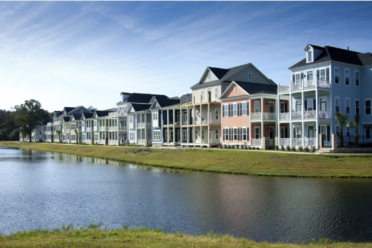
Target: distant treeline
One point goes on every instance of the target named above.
(9, 130)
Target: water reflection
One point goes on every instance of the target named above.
(47, 190)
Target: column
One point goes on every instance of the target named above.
(290, 134)
(303, 133)
(302, 105)
(167, 125)
(316, 103)
(290, 106)
(262, 108)
(145, 129)
(187, 126)
(201, 140)
(174, 129)
(208, 122)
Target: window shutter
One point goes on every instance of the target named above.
(328, 133)
(231, 109)
(317, 74)
(247, 108)
(314, 104)
(230, 136)
(293, 78)
(285, 107)
(302, 76)
(247, 133)
(239, 133)
(305, 105)
(285, 132)
(327, 74)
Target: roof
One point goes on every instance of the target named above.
(142, 98)
(218, 72)
(334, 54)
(87, 115)
(102, 113)
(66, 118)
(140, 107)
(255, 88)
(68, 109)
(77, 116)
(167, 102)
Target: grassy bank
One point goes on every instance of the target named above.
(225, 161)
(141, 237)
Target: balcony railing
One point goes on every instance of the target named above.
(256, 116)
(310, 114)
(122, 128)
(143, 125)
(305, 84)
(297, 142)
(256, 142)
(269, 116)
(113, 128)
(322, 114)
(284, 116)
(296, 115)
(103, 128)
(310, 142)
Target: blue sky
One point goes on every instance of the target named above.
(86, 53)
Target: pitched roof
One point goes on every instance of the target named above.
(102, 113)
(140, 107)
(77, 116)
(338, 55)
(255, 88)
(167, 102)
(87, 115)
(218, 72)
(66, 118)
(142, 98)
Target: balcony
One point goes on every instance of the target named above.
(284, 116)
(304, 85)
(265, 116)
(310, 114)
(284, 142)
(113, 128)
(143, 124)
(297, 142)
(310, 142)
(256, 142)
(122, 128)
(322, 114)
(297, 115)
(103, 128)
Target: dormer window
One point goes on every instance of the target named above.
(309, 56)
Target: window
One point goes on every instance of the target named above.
(235, 133)
(235, 109)
(256, 106)
(347, 76)
(337, 104)
(244, 133)
(368, 107)
(216, 92)
(154, 116)
(202, 95)
(157, 135)
(234, 89)
(356, 78)
(216, 113)
(309, 56)
(217, 134)
(347, 132)
(184, 135)
(347, 106)
(196, 133)
(130, 119)
(226, 133)
(202, 115)
(202, 133)
(132, 135)
(209, 75)
(322, 75)
(298, 106)
(271, 107)
(356, 106)
(244, 108)
(249, 76)
(226, 110)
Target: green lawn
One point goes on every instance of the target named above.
(141, 237)
(225, 161)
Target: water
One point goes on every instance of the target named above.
(48, 190)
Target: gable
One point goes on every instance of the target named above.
(238, 91)
(131, 110)
(208, 77)
(256, 76)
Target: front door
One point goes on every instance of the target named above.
(257, 132)
(271, 136)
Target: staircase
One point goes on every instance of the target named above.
(325, 150)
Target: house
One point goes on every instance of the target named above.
(327, 80)
(249, 111)
(104, 128)
(139, 124)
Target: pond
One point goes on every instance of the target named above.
(48, 190)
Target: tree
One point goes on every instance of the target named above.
(59, 133)
(341, 119)
(27, 115)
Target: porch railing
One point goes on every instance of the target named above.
(310, 142)
(305, 84)
(269, 116)
(284, 141)
(297, 142)
(256, 116)
(122, 128)
(256, 142)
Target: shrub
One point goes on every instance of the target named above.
(293, 148)
(276, 147)
(288, 148)
(282, 148)
(307, 149)
(300, 148)
(249, 147)
(312, 149)
(220, 145)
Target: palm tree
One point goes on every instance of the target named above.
(357, 120)
(59, 132)
(341, 119)
(77, 136)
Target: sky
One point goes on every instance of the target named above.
(86, 53)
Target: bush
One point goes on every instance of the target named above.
(282, 148)
(249, 147)
(307, 149)
(293, 148)
(313, 149)
(300, 148)
(288, 148)
(276, 147)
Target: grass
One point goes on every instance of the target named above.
(222, 161)
(97, 236)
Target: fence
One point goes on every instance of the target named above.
(352, 141)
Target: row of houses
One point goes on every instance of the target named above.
(239, 105)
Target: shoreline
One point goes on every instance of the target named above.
(256, 163)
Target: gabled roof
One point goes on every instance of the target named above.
(68, 109)
(166, 102)
(218, 72)
(253, 88)
(141, 97)
(66, 118)
(102, 113)
(87, 115)
(334, 54)
(76, 116)
(140, 107)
